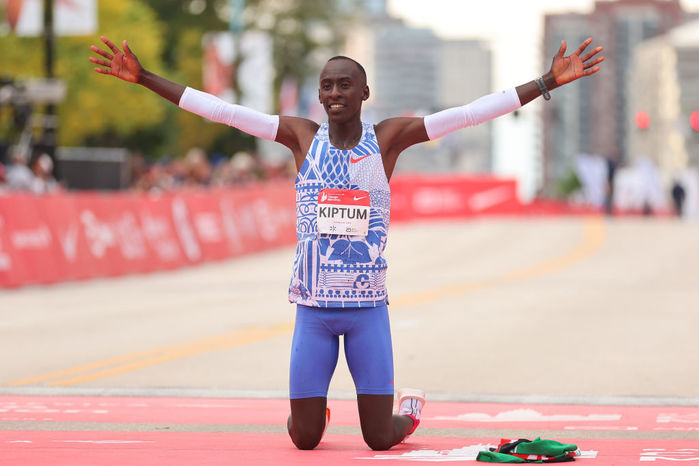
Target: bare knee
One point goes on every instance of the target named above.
(306, 441)
(305, 436)
(378, 442)
(307, 422)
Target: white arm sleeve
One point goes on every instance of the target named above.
(479, 111)
(245, 119)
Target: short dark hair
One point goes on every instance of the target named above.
(342, 57)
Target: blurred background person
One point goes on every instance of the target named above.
(198, 169)
(3, 186)
(18, 175)
(43, 181)
(678, 194)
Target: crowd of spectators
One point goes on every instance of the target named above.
(193, 170)
(21, 174)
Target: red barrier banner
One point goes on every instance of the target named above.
(432, 197)
(27, 247)
(47, 239)
(60, 213)
(160, 230)
(71, 236)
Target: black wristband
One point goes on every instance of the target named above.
(542, 87)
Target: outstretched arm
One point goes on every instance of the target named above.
(397, 134)
(295, 133)
(563, 71)
(125, 65)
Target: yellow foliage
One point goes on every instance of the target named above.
(95, 103)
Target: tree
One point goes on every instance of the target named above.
(305, 33)
(303, 30)
(167, 37)
(100, 110)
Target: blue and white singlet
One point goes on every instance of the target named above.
(339, 270)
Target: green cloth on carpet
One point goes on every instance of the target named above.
(492, 457)
(529, 451)
(544, 447)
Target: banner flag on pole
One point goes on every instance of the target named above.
(71, 17)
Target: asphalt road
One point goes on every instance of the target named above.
(556, 308)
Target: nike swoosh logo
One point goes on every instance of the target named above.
(353, 160)
(358, 198)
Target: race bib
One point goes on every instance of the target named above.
(343, 212)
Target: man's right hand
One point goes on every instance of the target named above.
(123, 65)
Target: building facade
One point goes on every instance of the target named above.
(412, 72)
(666, 88)
(592, 116)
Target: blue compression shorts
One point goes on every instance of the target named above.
(315, 349)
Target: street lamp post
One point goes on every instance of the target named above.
(48, 141)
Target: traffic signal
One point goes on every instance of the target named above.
(694, 120)
(642, 119)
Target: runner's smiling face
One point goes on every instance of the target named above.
(342, 90)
